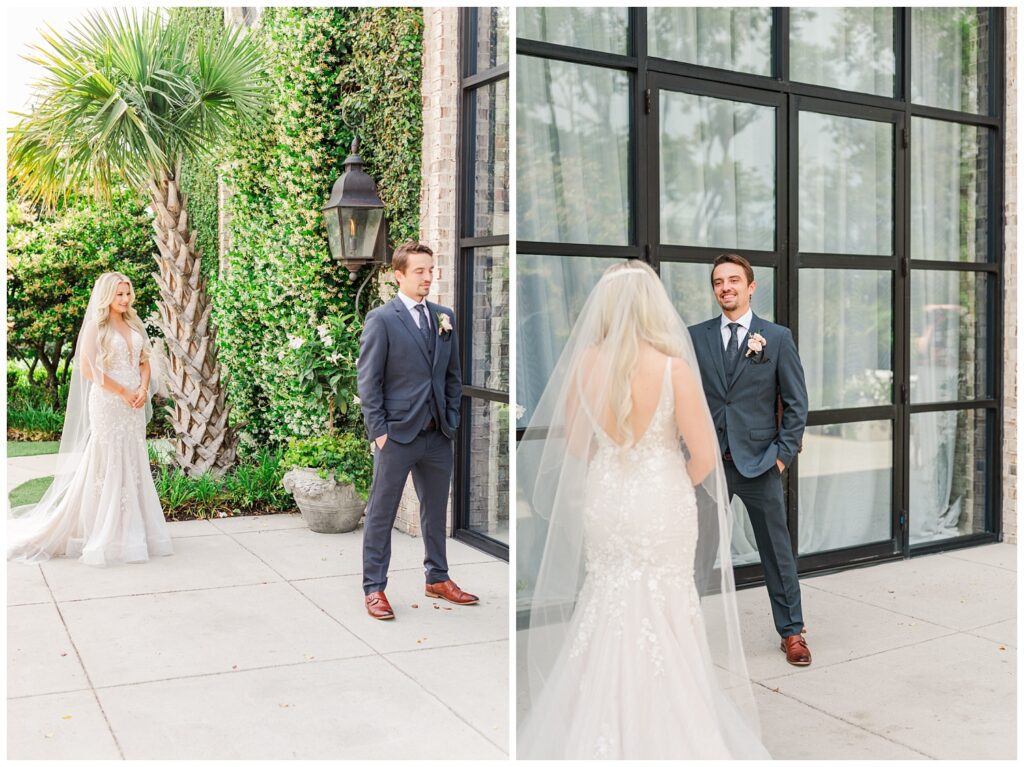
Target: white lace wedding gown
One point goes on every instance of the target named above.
(110, 512)
(636, 679)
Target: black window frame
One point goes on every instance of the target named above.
(648, 74)
(471, 80)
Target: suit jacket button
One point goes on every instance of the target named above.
(728, 402)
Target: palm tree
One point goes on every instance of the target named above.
(125, 97)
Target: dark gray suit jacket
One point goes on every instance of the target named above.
(398, 380)
(745, 413)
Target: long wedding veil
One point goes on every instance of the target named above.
(627, 308)
(26, 523)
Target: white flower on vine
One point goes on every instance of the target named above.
(333, 359)
(356, 400)
(520, 411)
(295, 342)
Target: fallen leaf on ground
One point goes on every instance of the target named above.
(63, 655)
(414, 605)
(65, 718)
(284, 705)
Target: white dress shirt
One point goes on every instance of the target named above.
(741, 331)
(411, 306)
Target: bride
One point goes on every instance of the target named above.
(633, 648)
(102, 506)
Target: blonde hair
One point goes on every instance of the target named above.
(105, 291)
(633, 308)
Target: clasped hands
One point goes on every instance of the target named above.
(135, 399)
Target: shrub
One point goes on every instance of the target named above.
(345, 458)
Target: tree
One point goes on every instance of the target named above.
(126, 97)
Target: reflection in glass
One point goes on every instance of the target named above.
(949, 58)
(948, 336)
(550, 292)
(572, 170)
(948, 464)
(598, 29)
(846, 337)
(488, 272)
(487, 434)
(949, 185)
(717, 172)
(846, 185)
(847, 48)
(689, 287)
(487, 190)
(726, 38)
(491, 39)
(845, 486)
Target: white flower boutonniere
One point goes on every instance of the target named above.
(444, 324)
(755, 344)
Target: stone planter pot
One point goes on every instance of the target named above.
(326, 505)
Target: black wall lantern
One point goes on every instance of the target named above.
(356, 229)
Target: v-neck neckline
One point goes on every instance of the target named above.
(127, 341)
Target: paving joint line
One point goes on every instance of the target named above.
(381, 655)
(838, 718)
(81, 663)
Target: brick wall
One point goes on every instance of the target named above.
(1010, 267)
(439, 190)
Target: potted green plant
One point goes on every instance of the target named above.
(329, 477)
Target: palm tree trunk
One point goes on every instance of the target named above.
(205, 442)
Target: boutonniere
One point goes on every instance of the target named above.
(755, 344)
(444, 324)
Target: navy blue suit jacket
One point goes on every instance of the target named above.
(745, 413)
(398, 380)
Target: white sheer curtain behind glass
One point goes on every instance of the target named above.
(949, 58)
(572, 175)
(598, 29)
(717, 172)
(725, 38)
(847, 48)
(846, 185)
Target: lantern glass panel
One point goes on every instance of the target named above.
(359, 228)
(331, 216)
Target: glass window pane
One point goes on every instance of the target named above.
(487, 183)
(845, 486)
(948, 336)
(598, 29)
(491, 39)
(487, 432)
(550, 293)
(572, 168)
(487, 271)
(949, 185)
(726, 38)
(847, 48)
(948, 467)
(689, 287)
(846, 185)
(949, 58)
(717, 172)
(846, 337)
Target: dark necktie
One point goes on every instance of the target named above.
(428, 337)
(732, 350)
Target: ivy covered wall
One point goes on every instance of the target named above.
(281, 283)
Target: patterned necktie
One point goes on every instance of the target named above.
(425, 327)
(732, 350)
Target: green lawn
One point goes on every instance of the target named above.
(30, 492)
(21, 449)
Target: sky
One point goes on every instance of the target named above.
(22, 29)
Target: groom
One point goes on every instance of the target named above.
(748, 366)
(410, 387)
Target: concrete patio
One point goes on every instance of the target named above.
(251, 642)
(912, 660)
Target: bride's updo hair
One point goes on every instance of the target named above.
(104, 293)
(633, 308)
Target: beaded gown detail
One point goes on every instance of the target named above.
(110, 512)
(635, 679)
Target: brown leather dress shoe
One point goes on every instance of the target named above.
(378, 607)
(448, 590)
(797, 652)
